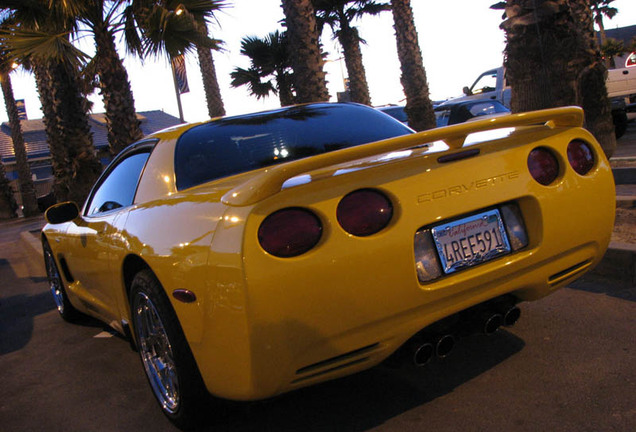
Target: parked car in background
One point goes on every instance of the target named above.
(620, 83)
(253, 255)
(453, 112)
(395, 111)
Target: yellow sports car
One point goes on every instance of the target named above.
(253, 255)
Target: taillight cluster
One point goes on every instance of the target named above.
(293, 231)
(544, 165)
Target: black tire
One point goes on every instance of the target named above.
(165, 354)
(56, 285)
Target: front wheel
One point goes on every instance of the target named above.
(169, 364)
(56, 285)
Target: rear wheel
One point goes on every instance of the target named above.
(56, 285)
(169, 364)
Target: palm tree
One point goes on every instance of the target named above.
(269, 57)
(121, 118)
(602, 8)
(552, 59)
(306, 58)
(174, 28)
(8, 205)
(419, 108)
(26, 187)
(40, 38)
(339, 14)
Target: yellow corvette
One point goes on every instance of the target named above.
(253, 255)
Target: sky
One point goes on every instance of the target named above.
(459, 39)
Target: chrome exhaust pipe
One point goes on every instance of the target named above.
(444, 345)
(422, 354)
(492, 323)
(511, 316)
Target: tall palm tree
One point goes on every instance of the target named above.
(40, 38)
(8, 205)
(100, 17)
(25, 181)
(306, 59)
(269, 57)
(601, 8)
(174, 28)
(339, 15)
(419, 108)
(27, 189)
(552, 59)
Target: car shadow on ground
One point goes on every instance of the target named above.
(18, 312)
(599, 285)
(368, 399)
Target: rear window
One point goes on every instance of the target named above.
(237, 144)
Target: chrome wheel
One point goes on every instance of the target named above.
(55, 283)
(156, 353)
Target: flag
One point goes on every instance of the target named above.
(21, 109)
(181, 78)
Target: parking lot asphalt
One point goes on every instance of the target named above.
(568, 365)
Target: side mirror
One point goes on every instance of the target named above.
(467, 91)
(62, 212)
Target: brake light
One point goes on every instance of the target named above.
(290, 232)
(580, 156)
(364, 212)
(543, 166)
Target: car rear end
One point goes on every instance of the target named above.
(345, 262)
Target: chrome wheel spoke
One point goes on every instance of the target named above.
(54, 282)
(156, 353)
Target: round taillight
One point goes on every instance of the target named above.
(364, 212)
(543, 166)
(580, 156)
(289, 232)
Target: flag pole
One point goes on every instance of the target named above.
(177, 91)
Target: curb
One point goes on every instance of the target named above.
(618, 263)
(624, 175)
(32, 242)
(626, 201)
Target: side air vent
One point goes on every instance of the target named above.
(335, 363)
(67, 272)
(568, 273)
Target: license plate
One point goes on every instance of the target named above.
(471, 240)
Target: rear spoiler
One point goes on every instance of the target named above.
(271, 180)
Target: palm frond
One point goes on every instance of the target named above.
(23, 44)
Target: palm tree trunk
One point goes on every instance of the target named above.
(309, 78)
(54, 137)
(27, 189)
(71, 111)
(210, 82)
(121, 118)
(8, 205)
(284, 88)
(552, 59)
(418, 103)
(350, 41)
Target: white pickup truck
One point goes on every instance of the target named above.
(620, 84)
